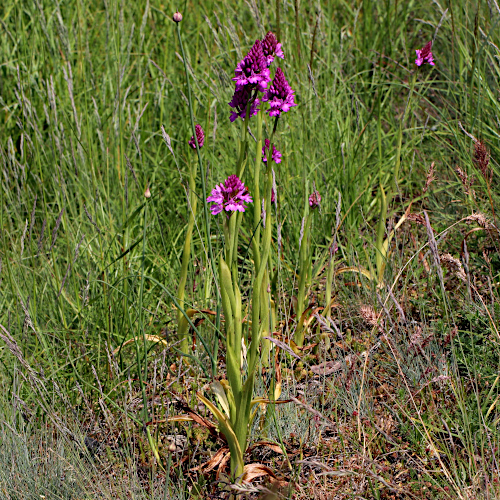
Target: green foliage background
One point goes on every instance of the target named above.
(85, 87)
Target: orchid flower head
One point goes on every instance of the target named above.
(253, 71)
(200, 135)
(280, 95)
(229, 196)
(424, 55)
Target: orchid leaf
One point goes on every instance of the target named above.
(220, 393)
(228, 431)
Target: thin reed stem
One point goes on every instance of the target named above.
(297, 28)
(143, 377)
(203, 185)
(256, 193)
(182, 325)
(278, 22)
(202, 171)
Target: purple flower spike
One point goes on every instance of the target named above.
(239, 103)
(314, 200)
(230, 196)
(200, 135)
(253, 70)
(276, 156)
(425, 55)
(271, 48)
(280, 95)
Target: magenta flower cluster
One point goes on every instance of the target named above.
(239, 103)
(200, 135)
(252, 75)
(280, 95)
(230, 196)
(276, 156)
(314, 200)
(424, 55)
(271, 48)
(253, 70)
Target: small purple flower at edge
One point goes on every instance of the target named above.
(425, 55)
(230, 196)
(252, 71)
(276, 156)
(314, 200)
(239, 103)
(200, 135)
(271, 48)
(280, 95)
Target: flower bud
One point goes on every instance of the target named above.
(177, 17)
(147, 193)
(200, 135)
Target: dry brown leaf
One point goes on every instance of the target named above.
(201, 420)
(305, 348)
(208, 311)
(253, 471)
(327, 368)
(311, 317)
(417, 218)
(222, 465)
(268, 444)
(211, 464)
(204, 422)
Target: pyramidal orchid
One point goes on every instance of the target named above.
(230, 196)
(314, 200)
(253, 71)
(280, 95)
(276, 156)
(200, 135)
(271, 48)
(239, 103)
(425, 55)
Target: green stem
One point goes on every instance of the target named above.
(304, 269)
(297, 28)
(265, 317)
(278, 32)
(380, 256)
(256, 193)
(143, 376)
(230, 239)
(202, 171)
(265, 297)
(243, 143)
(182, 324)
(400, 139)
(234, 264)
(257, 285)
(328, 292)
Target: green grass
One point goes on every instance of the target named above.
(85, 88)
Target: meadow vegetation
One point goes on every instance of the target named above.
(339, 338)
